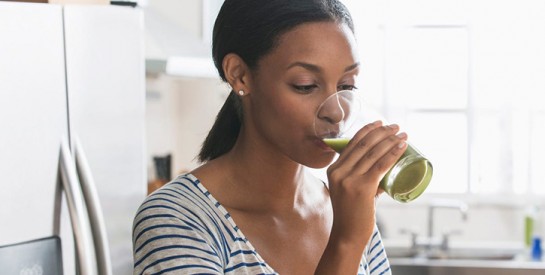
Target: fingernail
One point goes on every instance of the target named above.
(401, 144)
(402, 135)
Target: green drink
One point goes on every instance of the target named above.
(341, 115)
(337, 144)
(406, 180)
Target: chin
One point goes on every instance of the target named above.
(320, 162)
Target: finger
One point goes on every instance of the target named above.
(386, 162)
(364, 131)
(339, 168)
(362, 144)
(378, 151)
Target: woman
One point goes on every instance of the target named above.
(252, 207)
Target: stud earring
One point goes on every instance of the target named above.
(241, 92)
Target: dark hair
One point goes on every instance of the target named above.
(251, 29)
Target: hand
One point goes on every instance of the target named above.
(354, 179)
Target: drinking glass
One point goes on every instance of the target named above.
(342, 114)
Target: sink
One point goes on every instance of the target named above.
(454, 254)
(467, 261)
(473, 254)
(463, 270)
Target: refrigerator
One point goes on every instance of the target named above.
(72, 148)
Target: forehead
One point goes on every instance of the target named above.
(320, 43)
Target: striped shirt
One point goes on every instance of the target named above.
(182, 229)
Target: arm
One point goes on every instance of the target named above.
(340, 257)
(353, 184)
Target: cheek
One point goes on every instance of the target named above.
(292, 114)
(282, 119)
(288, 123)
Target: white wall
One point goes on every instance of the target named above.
(180, 112)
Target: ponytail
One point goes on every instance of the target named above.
(224, 132)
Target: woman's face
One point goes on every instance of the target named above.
(310, 62)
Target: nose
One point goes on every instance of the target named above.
(333, 110)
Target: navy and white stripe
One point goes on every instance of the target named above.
(182, 229)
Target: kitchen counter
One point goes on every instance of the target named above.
(465, 267)
(468, 261)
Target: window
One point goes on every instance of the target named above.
(466, 82)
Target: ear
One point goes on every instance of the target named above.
(237, 73)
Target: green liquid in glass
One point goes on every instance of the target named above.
(337, 144)
(407, 179)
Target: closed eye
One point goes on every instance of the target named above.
(305, 88)
(346, 87)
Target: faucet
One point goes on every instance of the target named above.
(443, 203)
(432, 241)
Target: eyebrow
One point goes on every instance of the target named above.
(314, 68)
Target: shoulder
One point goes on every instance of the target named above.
(181, 201)
(173, 196)
(176, 225)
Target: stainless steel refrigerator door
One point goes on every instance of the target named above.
(33, 119)
(106, 76)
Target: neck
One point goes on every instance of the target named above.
(261, 169)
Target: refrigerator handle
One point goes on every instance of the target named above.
(94, 209)
(76, 208)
